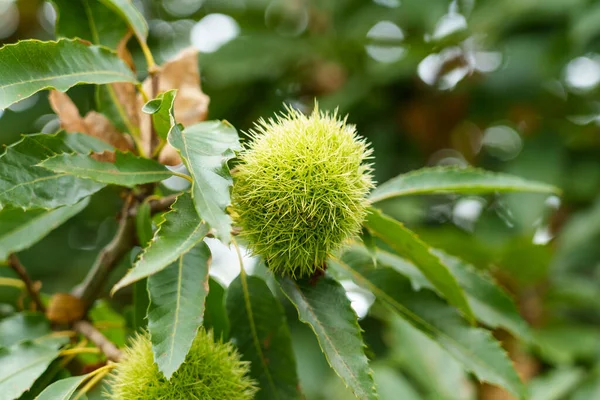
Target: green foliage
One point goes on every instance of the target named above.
(452, 87)
(179, 232)
(212, 370)
(21, 229)
(161, 109)
(62, 389)
(410, 246)
(24, 361)
(127, 11)
(205, 148)
(88, 20)
(177, 296)
(473, 347)
(300, 190)
(24, 184)
(31, 66)
(336, 328)
(127, 169)
(463, 180)
(261, 334)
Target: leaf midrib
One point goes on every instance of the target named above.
(310, 309)
(392, 302)
(101, 72)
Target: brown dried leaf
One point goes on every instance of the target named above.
(67, 111)
(94, 124)
(100, 127)
(64, 309)
(125, 92)
(191, 104)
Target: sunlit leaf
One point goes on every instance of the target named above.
(474, 348)
(126, 170)
(162, 112)
(31, 65)
(24, 184)
(62, 389)
(177, 296)
(180, 230)
(326, 309)
(457, 180)
(261, 334)
(406, 243)
(205, 148)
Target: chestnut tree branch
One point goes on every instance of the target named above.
(30, 286)
(107, 259)
(95, 336)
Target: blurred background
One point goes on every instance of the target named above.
(508, 85)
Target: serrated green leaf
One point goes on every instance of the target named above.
(31, 65)
(62, 389)
(21, 229)
(22, 327)
(438, 374)
(131, 15)
(491, 305)
(205, 149)
(177, 296)
(161, 109)
(261, 334)
(89, 20)
(215, 316)
(25, 185)
(474, 348)
(127, 170)
(326, 309)
(457, 180)
(406, 243)
(180, 230)
(21, 365)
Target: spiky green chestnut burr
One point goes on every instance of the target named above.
(300, 189)
(212, 370)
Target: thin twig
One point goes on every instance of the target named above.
(30, 286)
(108, 258)
(157, 205)
(95, 336)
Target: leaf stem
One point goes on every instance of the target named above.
(108, 258)
(80, 350)
(94, 377)
(30, 286)
(14, 282)
(95, 336)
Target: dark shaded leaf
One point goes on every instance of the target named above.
(260, 332)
